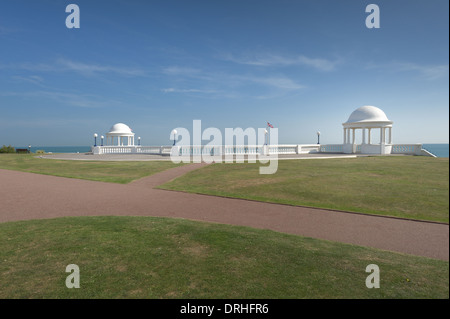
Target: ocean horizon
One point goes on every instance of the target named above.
(438, 149)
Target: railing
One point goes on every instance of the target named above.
(148, 149)
(332, 148)
(283, 149)
(248, 149)
(308, 148)
(157, 150)
(188, 150)
(413, 149)
(194, 150)
(114, 149)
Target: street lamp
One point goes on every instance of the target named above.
(29, 148)
(174, 133)
(139, 141)
(102, 137)
(318, 137)
(95, 139)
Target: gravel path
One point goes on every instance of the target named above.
(27, 196)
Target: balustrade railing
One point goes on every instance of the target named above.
(188, 150)
(407, 149)
(332, 148)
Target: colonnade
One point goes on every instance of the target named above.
(120, 140)
(350, 134)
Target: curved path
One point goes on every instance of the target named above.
(32, 196)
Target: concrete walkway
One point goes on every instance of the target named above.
(31, 196)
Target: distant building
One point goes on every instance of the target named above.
(121, 135)
(368, 120)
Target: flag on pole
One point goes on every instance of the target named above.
(269, 125)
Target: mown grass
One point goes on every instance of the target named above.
(106, 171)
(407, 186)
(147, 257)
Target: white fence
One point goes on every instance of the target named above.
(410, 149)
(413, 149)
(332, 148)
(210, 149)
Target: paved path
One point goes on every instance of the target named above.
(31, 196)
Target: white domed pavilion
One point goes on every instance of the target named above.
(367, 119)
(123, 134)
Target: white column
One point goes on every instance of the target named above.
(383, 135)
(364, 135)
(370, 137)
(353, 136)
(390, 135)
(345, 135)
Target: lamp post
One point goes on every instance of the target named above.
(29, 148)
(95, 139)
(102, 137)
(139, 141)
(318, 137)
(174, 133)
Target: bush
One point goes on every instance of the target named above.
(40, 152)
(7, 149)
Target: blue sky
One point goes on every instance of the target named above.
(156, 65)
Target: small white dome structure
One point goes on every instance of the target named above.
(367, 118)
(120, 128)
(123, 133)
(366, 114)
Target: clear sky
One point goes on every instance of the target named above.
(156, 65)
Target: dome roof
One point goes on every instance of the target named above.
(367, 114)
(120, 128)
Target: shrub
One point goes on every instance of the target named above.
(7, 149)
(40, 152)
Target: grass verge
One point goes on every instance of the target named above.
(105, 171)
(147, 257)
(408, 186)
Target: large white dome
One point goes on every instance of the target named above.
(120, 128)
(367, 113)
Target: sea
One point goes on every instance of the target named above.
(440, 150)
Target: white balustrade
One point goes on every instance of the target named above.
(332, 148)
(219, 150)
(413, 149)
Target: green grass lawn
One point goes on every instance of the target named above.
(105, 171)
(408, 186)
(146, 257)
